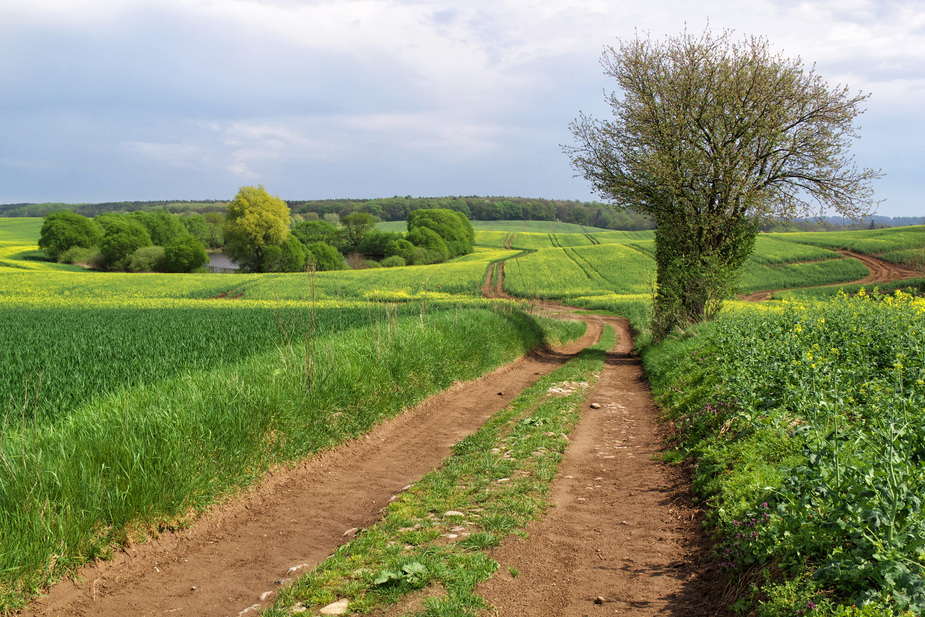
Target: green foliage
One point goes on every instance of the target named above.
(197, 227)
(290, 256)
(147, 259)
(431, 242)
(453, 227)
(215, 221)
(708, 137)
(805, 424)
(64, 230)
(323, 257)
(184, 254)
(162, 227)
(375, 243)
(84, 256)
(316, 231)
(395, 261)
(254, 222)
(355, 228)
(122, 236)
(400, 247)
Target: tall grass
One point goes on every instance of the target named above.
(805, 424)
(144, 456)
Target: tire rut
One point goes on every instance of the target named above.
(235, 557)
(623, 535)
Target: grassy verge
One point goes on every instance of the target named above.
(142, 458)
(804, 422)
(433, 536)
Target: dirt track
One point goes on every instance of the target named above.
(623, 537)
(880, 272)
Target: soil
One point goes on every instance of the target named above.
(623, 535)
(880, 272)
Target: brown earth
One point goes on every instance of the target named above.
(230, 558)
(622, 537)
(881, 271)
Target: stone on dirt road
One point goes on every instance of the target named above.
(336, 608)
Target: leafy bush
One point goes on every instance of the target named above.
(431, 242)
(184, 254)
(290, 256)
(401, 248)
(452, 227)
(83, 256)
(395, 261)
(162, 226)
(316, 231)
(324, 257)
(147, 259)
(122, 236)
(64, 230)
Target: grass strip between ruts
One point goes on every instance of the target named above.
(434, 534)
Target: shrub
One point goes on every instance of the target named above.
(400, 248)
(395, 261)
(431, 242)
(65, 230)
(290, 256)
(184, 255)
(79, 255)
(452, 227)
(121, 238)
(147, 259)
(316, 231)
(323, 257)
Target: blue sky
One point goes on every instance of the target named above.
(112, 100)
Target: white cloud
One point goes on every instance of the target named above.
(264, 88)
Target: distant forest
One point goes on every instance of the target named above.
(590, 214)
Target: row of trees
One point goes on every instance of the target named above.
(138, 242)
(591, 214)
(258, 237)
(257, 231)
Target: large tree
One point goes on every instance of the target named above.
(254, 221)
(709, 136)
(63, 230)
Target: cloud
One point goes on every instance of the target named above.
(329, 97)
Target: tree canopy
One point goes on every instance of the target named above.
(708, 137)
(64, 230)
(255, 221)
(453, 227)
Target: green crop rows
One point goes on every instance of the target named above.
(119, 390)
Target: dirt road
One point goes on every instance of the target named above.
(622, 527)
(880, 272)
(622, 536)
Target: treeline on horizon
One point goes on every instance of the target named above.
(590, 214)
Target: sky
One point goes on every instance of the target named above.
(122, 100)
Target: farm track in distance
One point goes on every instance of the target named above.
(880, 272)
(623, 535)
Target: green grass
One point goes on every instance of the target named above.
(144, 455)
(23, 230)
(758, 277)
(804, 422)
(868, 241)
(497, 480)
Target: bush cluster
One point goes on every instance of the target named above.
(139, 242)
